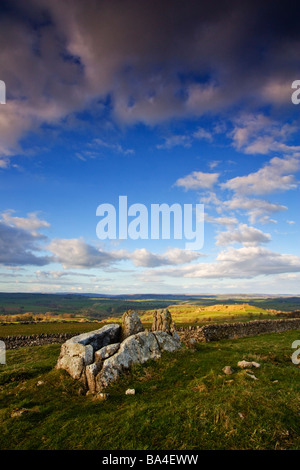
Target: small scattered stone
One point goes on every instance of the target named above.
(130, 391)
(241, 416)
(102, 396)
(228, 370)
(252, 376)
(247, 364)
(244, 364)
(40, 382)
(275, 381)
(17, 412)
(256, 364)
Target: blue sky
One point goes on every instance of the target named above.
(163, 104)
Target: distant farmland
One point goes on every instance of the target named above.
(184, 308)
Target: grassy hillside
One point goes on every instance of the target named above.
(80, 306)
(183, 401)
(188, 313)
(182, 314)
(99, 308)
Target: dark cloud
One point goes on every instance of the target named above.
(18, 247)
(156, 60)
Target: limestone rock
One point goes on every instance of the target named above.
(106, 352)
(162, 321)
(74, 365)
(252, 376)
(91, 371)
(108, 334)
(131, 324)
(228, 370)
(167, 342)
(255, 364)
(73, 349)
(130, 391)
(78, 352)
(135, 349)
(247, 364)
(97, 358)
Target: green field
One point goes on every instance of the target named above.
(188, 313)
(183, 314)
(48, 328)
(183, 401)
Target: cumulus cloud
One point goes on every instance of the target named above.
(258, 210)
(226, 221)
(245, 262)
(173, 256)
(243, 234)
(259, 134)
(32, 223)
(76, 253)
(277, 175)
(20, 247)
(198, 180)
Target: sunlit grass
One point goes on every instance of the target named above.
(182, 401)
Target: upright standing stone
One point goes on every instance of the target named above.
(131, 324)
(162, 321)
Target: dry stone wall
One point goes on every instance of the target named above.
(216, 332)
(16, 342)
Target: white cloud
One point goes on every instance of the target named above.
(257, 209)
(245, 262)
(273, 177)
(226, 221)
(243, 234)
(198, 180)
(31, 223)
(75, 253)
(173, 256)
(258, 134)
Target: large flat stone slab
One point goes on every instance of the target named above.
(78, 352)
(108, 334)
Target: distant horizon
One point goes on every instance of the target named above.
(154, 294)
